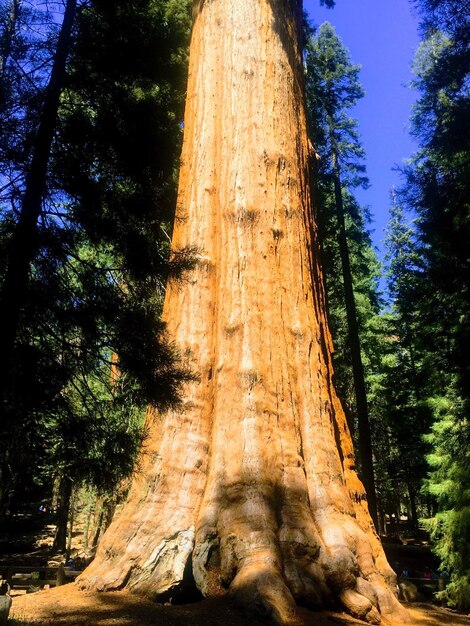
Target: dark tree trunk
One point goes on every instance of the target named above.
(7, 484)
(365, 442)
(381, 523)
(99, 527)
(62, 514)
(107, 508)
(413, 509)
(71, 522)
(86, 530)
(6, 39)
(24, 240)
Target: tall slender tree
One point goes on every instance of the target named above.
(24, 240)
(250, 487)
(405, 372)
(20, 236)
(7, 35)
(333, 87)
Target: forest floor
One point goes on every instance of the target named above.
(68, 606)
(28, 541)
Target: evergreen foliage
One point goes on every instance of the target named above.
(122, 131)
(405, 374)
(449, 484)
(91, 350)
(432, 300)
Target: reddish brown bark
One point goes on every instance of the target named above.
(251, 485)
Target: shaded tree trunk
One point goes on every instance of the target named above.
(71, 520)
(64, 497)
(363, 425)
(7, 484)
(86, 531)
(24, 240)
(99, 528)
(413, 508)
(250, 486)
(6, 39)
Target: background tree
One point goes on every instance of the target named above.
(20, 246)
(406, 373)
(23, 243)
(332, 89)
(437, 194)
(9, 19)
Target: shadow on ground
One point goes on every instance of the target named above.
(68, 606)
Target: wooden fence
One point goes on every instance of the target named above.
(34, 578)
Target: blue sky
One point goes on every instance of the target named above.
(382, 36)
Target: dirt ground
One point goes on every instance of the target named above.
(68, 606)
(29, 543)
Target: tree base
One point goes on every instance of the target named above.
(263, 566)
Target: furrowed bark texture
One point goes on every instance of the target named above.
(250, 487)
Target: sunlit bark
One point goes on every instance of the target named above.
(250, 488)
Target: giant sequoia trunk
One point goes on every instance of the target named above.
(250, 487)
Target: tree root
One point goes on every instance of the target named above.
(267, 550)
(261, 590)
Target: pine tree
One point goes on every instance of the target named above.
(448, 483)
(96, 280)
(9, 19)
(22, 245)
(438, 176)
(437, 192)
(332, 88)
(121, 186)
(406, 371)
